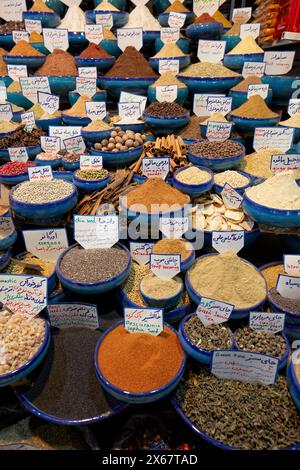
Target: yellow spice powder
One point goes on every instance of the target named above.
(37, 110)
(215, 117)
(97, 125)
(247, 45)
(40, 6)
(177, 6)
(220, 18)
(271, 274)
(169, 50)
(293, 121)
(35, 37)
(14, 87)
(255, 107)
(106, 6)
(168, 78)
(78, 109)
(108, 34)
(258, 163)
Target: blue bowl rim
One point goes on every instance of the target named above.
(291, 366)
(163, 299)
(86, 134)
(46, 13)
(78, 118)
(123, 152)
(150, 393)
(188, 13)
(95, 60)
(175, 118)
(269, 210)
(80, 180)
(244, 56)
(181, 57)
(238, 156)
(105, 12)
(194, 186)
(54, 161)
(29, 57)
(244, 93)
(239, 188)
(90, 284)
(214, 24)
(38, 205)
(266, 120)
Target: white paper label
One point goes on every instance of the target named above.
(253, 68)
(218, 104)
(261, 90)
(99, 231)
(64, 132)
(284, 162)
(169, 35)
(241, 15)
(278, 62)
(252, 29)
(290, 36)
(288, 286)
(91, 162)
(244, 366)
(140, 251)
(200, 103)
(20, 36)
(176, 19)
(95, 109)
(211, 51)
(168, 65)
(165, 266)
(74, 144)
(143, 320)
(212, 311)
(130, 37)
(86, 86)
(294, 106)
(105, 19)
(50, 144)
(166, 93)
(6, 113)
(129, 110)
(156, 167)
(273, 137)
(56, 39)
(23, 294)
(205, 6)
(132, 98)
(31, 85)
(29, 120)
(231, 198)
(87, 72)
(40, 173)
(6, 226)
(218, 131)
(267, 322)
(17, 71)
(173, 227)
(3, 93)
(228, 241)
(66, 315)
(46, 244)
(18, 154)
(33, 26)
(49, 103)
(292, 264)
(12, 10)
(94, 33)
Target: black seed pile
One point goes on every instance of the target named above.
(22, 138)
(211, 149)
(287, 305)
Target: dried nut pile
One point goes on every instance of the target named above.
(193, 175)
(234, 178)
(20, 339)
(210, 213)
(42, 192)
(120, 141)
(90, 175)
(209, 337)
(211, 149)
(70, 157)
(260, 342)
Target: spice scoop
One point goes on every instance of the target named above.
(163, 293)
(31, 266)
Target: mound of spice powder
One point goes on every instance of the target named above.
(204, 18)
(40, 6)
(59, 63)
(95, 51)
(23, 48)
(243, 85)
(173, 246)
(140, 362)
(177, 6)
(255, 107)
(131, 64)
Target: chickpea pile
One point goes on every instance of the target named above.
(121, 141)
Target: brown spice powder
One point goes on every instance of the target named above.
(255, 107)
(243, 85)
(23, 48)
(59, 63)
(173, 246)
(131, 64)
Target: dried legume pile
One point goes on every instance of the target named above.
(193, 175)
(71, 157)
(260, 342)
(234, 178)
(22, 138)
(209, 337)
(89, 175)
(65, 385)
(157, 288)
(248, 416)
(20, 339)
(15, 168)
(94, 265)
(210, 149)
(42, 192)
(165, 109)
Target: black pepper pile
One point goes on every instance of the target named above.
(287, 305)
(165, 109)
(211, 149)
(260, 342)
(22, 138)
(209, 337)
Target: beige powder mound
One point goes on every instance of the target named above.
(228, 278)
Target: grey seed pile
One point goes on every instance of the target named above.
(260, 342)
(287, 305)
(209, 337)
(41, 192)
(94, 265)
(210, 149)
(248, 416)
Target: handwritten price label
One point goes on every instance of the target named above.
(17, 71)
(91, 162)
(49, 103)
(56, 39)
(273, 137)
(228, 241)
(244, 366)
(261, 90)
(105, 19)
(284, 162)
(86, 86)
(166, 93)
(23, 294)
(218, 131)
(28, 120)
(96, 231)
(288, 286)
(211, 51)
(169, 35)
(87, 72)
(253, 68)
(95, 109)
(129, 110)
(18, 154)
(156, 167)
(130, 37)
(267, 322)
(50, 144)
(20, 36)
(143, 320)
(205, 6)
(94, 33)
(173, 227)
(67, 315)
(252, 29)
(211, 311)
(176, 19)
(46, 244)
(278, 62)
(292, 264)
(132, 98)
(3, 92)
(294, 106)
(32, 26)
(218, 104)
(6, 113)
(168, 65)
(12, 10)
(231, 198)
(140, 251)
(6, 226)
(74, 144)
(200, 103)
(241, 15)
(165, 266)
(31, 85)
(40, 173)
(64, 132)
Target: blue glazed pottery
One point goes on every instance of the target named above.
(292, 333)
(217, 164)
(240, 97)
(236, 61)
(193, 189)
(111, 47)
(48, 20)
(182, 43)
(54, 163)
(271, 217)
(248, 125)
(89, 186)
(102, 65)
(70, 166)
(120, 4)
(140, 397)
(184, 61)
(45, 123)
(98, 96)
(95, 287)
(182, 94)
(139, 127)
(198, 31)
(32, 62)
(209, 85)
(61, 85)
(231, 41)
(96, 136)
(138, 86)
(47, 211)
(40, 46)
(296, 133)
(75, 120)
(120, 18)
(161, 5)
(5, 258)
(282, 87)
(32, 151)
(149, 38)
(118, 159)
(166, 124)
(163, 19)
(29, 366)
(63, 175)
(6, 41)
(12, 180)
(8, 241)
(17, 116)
(7, 80)
(166, 302)
(77, 42)
(57, 5)
(19, 99)
(241, 189)
(292, 380)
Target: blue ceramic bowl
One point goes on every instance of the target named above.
(165, 302)
(282, 86)
(5, 258)
(184, 61)
(32, 62)
(19, 100)
(7, 80)
(200, 355)
(32, 151)
(149, 38)
(98, 96)
(6, 41)
(48, 211)
(138, 86)
(8, 241)
(118, 159)
(292, 333)
(12, 180)
(75, 120)
(182, 94)
(111, 47)
(96, 136)
(17, 116)
(77, 42)
(89, 186)
(63, 175)
(102, 65)
(140, 397)
(236, 61)
(292, 380)
(240, 97)
(248, 125)
(198, 31)
(70, 166)
(163, 19)
(217, 164)
(45, 123)
(160, 123)
(182, 43)
(95, 287)
(271, 217)
(193, 189)
(132, 127)
(161, 5)
(296, 133)
(120, 18)
(120, 4)
(62, 85)
(241, 189)
(237, 313)
(29, 366)
(48, 20)
(54, 163)
(57, 5)
(209, 85)
(231, 41)
(40, 46)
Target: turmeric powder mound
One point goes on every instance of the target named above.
(220, 18)
(23, 48)
(78, 109)
(3, 68)
(35, 37)
(243, 85)
(255, 107)
(177, 6)
(41, 7)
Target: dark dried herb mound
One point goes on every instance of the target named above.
(209, 337)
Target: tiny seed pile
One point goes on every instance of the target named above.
(210, 149)
(208, 70)
(41, 191)
(90, 175)
(260, 342)
(209, 337)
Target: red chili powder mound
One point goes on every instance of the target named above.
(139, 362)
(94, 51)
(205, 18)
(131, 64)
